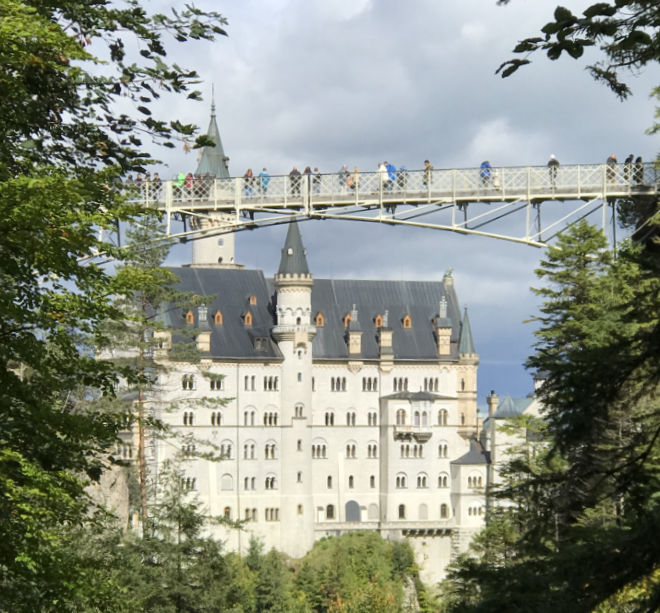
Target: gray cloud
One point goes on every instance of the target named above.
(355, 82)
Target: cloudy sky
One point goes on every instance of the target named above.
(332, 82)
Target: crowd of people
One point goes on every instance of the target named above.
(389, 178)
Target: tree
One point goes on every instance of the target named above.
(626, 31)
(63, 148)
(592, 539)
(172, 566)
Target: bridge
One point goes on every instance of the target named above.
(529, 205)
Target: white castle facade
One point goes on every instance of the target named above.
(350, 405)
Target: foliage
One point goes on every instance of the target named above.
(64, 144)
(358, 571)
(591, 540)
(626, 31)
(173, 567)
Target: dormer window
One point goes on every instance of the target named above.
(378, 321)
(289, 251)
(190, 317)
(247, 320)
(407, 322)
(261, 343)
(347, 320)
(253, 299)
(217, 318)
(319, 321)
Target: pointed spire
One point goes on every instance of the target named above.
(213, 160)
(294, 255)
(465, 343)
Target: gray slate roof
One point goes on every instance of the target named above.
(511, 407)
(230, 291)
(466, 344)
(294, 255)
(334, 298)
(419, 299)
(476, 455)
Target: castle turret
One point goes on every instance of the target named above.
(293, 333)
(216, 249)
(468, 360)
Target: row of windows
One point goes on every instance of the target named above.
(271, 384)
(337, 384)
(215, 384)
(249, 451)
(320, 451)
(412, 451)
(369, 384)
(273, 513)
(271, 418)
(250, 483)
(379, 321)
(421, 418)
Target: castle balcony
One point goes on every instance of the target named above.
(294, 332)
(419, 434)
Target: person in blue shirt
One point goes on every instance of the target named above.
(264, 179)
(391, 175)
(485, 173)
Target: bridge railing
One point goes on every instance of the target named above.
(400, 186)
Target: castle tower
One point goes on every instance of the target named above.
(468, 360)
(217, 251)
(293, 333)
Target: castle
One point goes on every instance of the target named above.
(351, 404)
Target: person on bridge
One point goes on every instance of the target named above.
(391, 176)
(248, 182)
(627, 167)
(317, 181)
(553, 169)
(485, 173)
(428, 173)
(294, 181)
(382, 174)
(343, 176)
(611, 168)
(264, 179)
(639, 171)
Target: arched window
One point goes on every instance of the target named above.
(253, 299)
(372, 481)
(422, 481)
(444, 511)
(190, 317)
(330, 512)
(378, 321)
(401, 417)
(351, 482)
(443, 450)
(329, 482)
(407, 322)
(319, 320)
(443, 415)
(217, 318)
(401, 481)
(247, 319)
(347, 320)
(402, 511)
(226, 482)
(443, 480)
